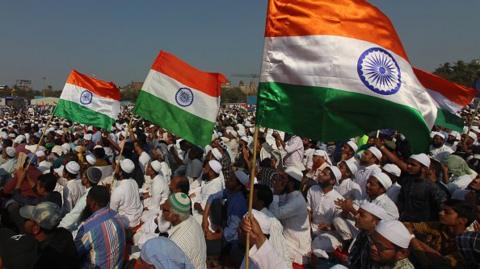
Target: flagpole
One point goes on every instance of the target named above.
(252, 185)
(41, 137)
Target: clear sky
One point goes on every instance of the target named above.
(118, 40)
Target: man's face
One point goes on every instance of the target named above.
(167, 214)
(347, 150)
(374, 188)
(365, 221)
(437, 141)
(318, 160)
(448, 216)
(381, 250)
(325, 178)
(31, 227)
(367, 158)
(414, 167)
(342, 166)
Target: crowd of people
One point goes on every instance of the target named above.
(74, 196)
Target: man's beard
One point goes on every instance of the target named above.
(86, 213)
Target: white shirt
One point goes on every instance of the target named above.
(72, 191)
(294, 149)
(386, 203)
(440, 153)
(143, 159)
(394, 191)
(208, 188)
(308, 158)
(158, 193)
(322, 205)
(266, 257)
(362, 175)
(125, 200)
(71, 220)
(189, 237)
(349, 189)
(292, 213)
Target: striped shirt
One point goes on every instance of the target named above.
(100, 240)
(188, 235)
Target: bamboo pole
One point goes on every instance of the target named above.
(41, 138)
(250, 197)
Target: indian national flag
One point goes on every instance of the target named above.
(181, 98)
(336, 69)
(89, 101)
(449, 97)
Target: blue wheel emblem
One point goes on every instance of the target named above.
(86, 97)
(379, 71)
(184, 97)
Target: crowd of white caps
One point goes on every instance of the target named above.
(365, 202)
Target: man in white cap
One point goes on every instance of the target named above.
(389, 247)
(321, 205)
(9, 166)
(292, 212)
(186, 232)
(157, 193)
(366, 219)
(347, 187)
(292, 147)
(369, 164)
(213, 183)
(394, 172)
(125, 197)
(419, 198)
(74, 188)
(320, 161)
(464, 148)
(348, 150)
(438, 149)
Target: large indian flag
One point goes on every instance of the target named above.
(449, 97)
(336, 69)
(89, 101)
(181, 98)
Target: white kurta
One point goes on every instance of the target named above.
(362, 175)
(72, 191)
(266, 257)
(125, 199)
(349, 189)
(386, 203)
(322, 205)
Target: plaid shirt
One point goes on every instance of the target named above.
(468, 245)
(100, 240)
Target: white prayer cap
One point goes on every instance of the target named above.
(11, 135)
(90, 128)
(19, 139)
(242, 177)
(375, 210)
(57, 150)
(31, 148)
(392, 169)
(66, 148)
(244, 138)
(127, 166)
(10, 152)
(376, 152)
(156, 166)
(232, 132)
(322, 153)
(217, 154)
(97, 146)
(3, 135)
(352, 165)
(336, 172)
(91, 159)
(59, 132)
(215, 165)
(40, 154)
(72, 167)
(433, 134)
(473, 136)
(352, 145)
(395, 232)
(421, 158)
(87, 137)
(475, 129)
(294, 172)
(383, 179)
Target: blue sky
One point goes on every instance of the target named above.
(118, 40)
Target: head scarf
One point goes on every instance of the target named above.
(457, 166)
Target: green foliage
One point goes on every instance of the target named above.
(233, 95)
(460, 72)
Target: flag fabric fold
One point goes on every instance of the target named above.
(89, 101)
(181, 98)
(333, 70)
(449, 98)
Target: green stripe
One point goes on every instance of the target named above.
(78, 113)
(176, 120)
(449, 120)
(331, 115)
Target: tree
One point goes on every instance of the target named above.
(460, 72)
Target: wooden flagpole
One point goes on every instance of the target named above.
(250, 197)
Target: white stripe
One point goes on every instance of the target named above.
(106, 106)
(165, 88)
(444, 103)
(331, 61)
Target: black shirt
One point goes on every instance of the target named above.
(58, 251)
